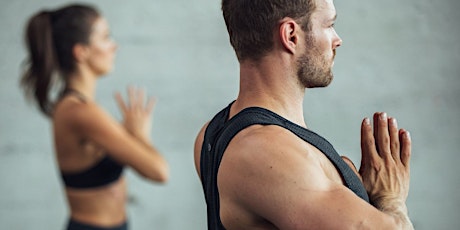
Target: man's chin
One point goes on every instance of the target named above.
(321, 84)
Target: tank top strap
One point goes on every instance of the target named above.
(76, 93)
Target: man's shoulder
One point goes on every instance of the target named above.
(264, 135)
(265, 141)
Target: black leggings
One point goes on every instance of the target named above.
(75, 225)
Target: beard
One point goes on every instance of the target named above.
(314, 68)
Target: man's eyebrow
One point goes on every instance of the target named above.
(330, 19)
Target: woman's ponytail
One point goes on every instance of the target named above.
(41, 66)
(50, 39)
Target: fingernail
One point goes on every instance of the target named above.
(394, 122)
(383, 116)
(408, 135)
(367, 121)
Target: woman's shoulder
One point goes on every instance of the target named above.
(73, 110)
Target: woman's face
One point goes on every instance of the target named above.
(101, 48)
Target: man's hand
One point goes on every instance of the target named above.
(385, 160)
(384, 169)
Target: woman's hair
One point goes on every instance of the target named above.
(50, 38)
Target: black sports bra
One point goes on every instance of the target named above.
(102, 173)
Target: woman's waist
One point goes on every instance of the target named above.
(102, 206)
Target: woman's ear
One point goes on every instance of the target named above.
(289, 36)
(80, 52)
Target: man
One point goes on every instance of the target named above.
(260, 166)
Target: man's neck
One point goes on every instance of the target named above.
(271, 85)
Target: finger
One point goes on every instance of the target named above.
(383, 136)
(394, 139)
(120, 102)
(130, 96)
(406, 147)
(352, 166)
(150, 104)
(368, 149)
(135, 98)
(140, 98)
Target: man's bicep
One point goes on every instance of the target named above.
(293, 192)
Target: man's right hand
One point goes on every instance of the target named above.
(385, 160)
(385, 164)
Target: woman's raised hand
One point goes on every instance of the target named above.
(136, 112)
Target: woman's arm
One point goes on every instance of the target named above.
(128, 143)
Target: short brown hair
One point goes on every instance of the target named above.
(250, 23)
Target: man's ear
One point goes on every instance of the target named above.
(288, 32)
(80, 52)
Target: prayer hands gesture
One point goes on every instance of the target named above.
(384, 170)
(136, 113)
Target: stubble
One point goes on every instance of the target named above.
(314, 69)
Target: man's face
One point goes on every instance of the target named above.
(314, 67)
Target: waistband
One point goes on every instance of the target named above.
(76, 225)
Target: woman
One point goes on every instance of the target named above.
(72, 46)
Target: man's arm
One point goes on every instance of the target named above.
(271, 173)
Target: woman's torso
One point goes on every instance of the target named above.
(99, 205)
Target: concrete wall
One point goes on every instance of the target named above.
(402, 57)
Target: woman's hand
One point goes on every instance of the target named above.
(136, 113)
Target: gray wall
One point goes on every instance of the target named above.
(402, 57)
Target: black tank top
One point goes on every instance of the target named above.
(221, 130)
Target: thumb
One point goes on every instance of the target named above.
(352, 166)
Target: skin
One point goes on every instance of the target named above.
(271, 179)
(84, 133)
